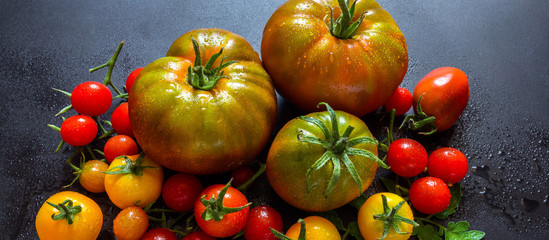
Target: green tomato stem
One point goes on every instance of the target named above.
(206, 77)
(342, 27)
(110, 65)
(260, 171)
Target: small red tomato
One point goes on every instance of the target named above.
(159, 234)
(448, 164)
(401, 101)
(130, 223)
(260, 220)
(131, 78)
(180, 192)
(407, 157)
(78, 130)
(91, 98)
(241, 175)
(231, 223)
(120, 120)
(120, 145)
(198, 235)
(430, 195)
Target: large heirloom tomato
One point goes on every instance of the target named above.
(205, 108)
(323, 160)
(354, 62)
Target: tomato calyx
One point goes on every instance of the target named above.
(391, 219)
(338, 148)
(302, 228)
(66, 211)
(342, 27)
(206, 77)
(214, 206)
(131, 167)
(420, 121)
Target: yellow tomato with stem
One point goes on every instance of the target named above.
(316, 228)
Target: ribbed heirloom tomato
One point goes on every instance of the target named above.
(354, 60)
(205, 108)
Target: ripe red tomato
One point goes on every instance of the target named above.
(91, 98)
(120, 145)
(241, 175)
(159, 234)
(407, 157)
(260, 222)
(198, 235)
(180, 192)
(120, 120)
(231, 223)
(448, 164)
(78, 130)
(430, 195)
(131, 78)
(401, 101)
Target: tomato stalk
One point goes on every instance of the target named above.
(338, 149)
(258, 173)
(110, 65)
(66, 211)
(390, 218)
(131, 167)
(420, 121)
(342, 27)
(214, 206)
(301, 236)
(206, 77)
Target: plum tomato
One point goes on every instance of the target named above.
(407, 157)
(68, 214)
(401, 101)
(221, 211)
(241, 175)
(92, 177)
(375, 222)
(159, 234)
(429, 195)
(78, 130)
(130, 223)
(91, 98)
(316, 228)
(131, 78)
(448, 164)
(119, 145)
(198, 235)
(180, 191)
(260, 222)
(120, 120)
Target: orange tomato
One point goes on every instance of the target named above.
(130, 224)
(316, 228)
(92, 177)
(86, 224)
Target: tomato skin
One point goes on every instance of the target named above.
(91, 98)
(119, 145)
(130, 223)
(401, 101)
(92, 178)
(159, 234)
(309, 65)
(448, 164)
(372, 229)
(204, 132)
(407, 157)
(78, 130)
(231, 223)
(430, 195)
(198, 235)
(126, 190)
(87, 224)
(261, 219)
(316, 228)
(289, 159)
(180, 192)
(445, 93)
(120, 120)
(241, 175)
(131, 78)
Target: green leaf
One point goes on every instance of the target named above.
(455, 191)
(354, 231)
(459, 231)
(359, 201)
(389, 184)
(426, 232)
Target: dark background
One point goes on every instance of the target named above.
(502, 45)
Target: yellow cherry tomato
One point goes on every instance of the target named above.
(316, 228)
(86, 219)
(372, 229)
(133, 181)
(92, 177)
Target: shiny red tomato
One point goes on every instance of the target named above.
(260, 222)
(401, 101)
(91, 98)
(120, 120)
(119, 145)
(407, 157)
(78, 130)
(159, 234)
(180, 192)
(448, 164)
(429, 195)
(131, 78)
(198, 235)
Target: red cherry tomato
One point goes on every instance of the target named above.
(198, 235)
(260, 220)
(180, 192)
(91, 98)
(448, 164)
(120, 120)
(159, 234)
(241, 175)
(401, 101)
(120, 145)
(430, 195)
(78, 130)
(407, 157)
(231, 223)
(131, 78)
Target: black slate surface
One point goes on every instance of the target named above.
(502, 45)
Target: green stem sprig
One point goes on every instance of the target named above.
(420, 121)
(66, 211)
(110, 65)
(342, 27)
(131, 167)
(301, 236)
(206, 77)
(214, 206)
(391, 219)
